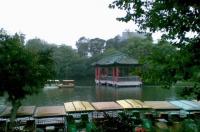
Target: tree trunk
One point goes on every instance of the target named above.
(15, 106)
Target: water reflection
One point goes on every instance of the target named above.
(157, 93)
(104, 93)
(92, 93)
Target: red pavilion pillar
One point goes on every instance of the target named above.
(97, 73)
(117, 73)
(113, 73)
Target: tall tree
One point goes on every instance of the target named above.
(83, 46)
(22, 72)
(113, 43)
(64, 57)
(138, 47)
(96, 46)
(37, 44)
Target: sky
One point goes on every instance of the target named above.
(63, 21)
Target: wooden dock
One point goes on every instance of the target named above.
(84, 106)
(46, 116)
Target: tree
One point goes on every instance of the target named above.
(37, 44)
(158, 63)
(121, 41)
(83, 46)
(179, 22)
(22, 72)
(175, 18)
(96, 46)
(160, 66)
(64, 58)
(138, 47)
(68, 62)
(113, 43)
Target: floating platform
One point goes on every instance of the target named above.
(129, 81)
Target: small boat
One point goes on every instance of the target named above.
(66, 84)
(51, 84)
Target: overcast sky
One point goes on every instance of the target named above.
(62, 21)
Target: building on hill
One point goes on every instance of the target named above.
(127, 34)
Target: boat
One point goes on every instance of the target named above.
(52, 84)
(66, 84)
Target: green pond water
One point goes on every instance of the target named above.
(98, 93)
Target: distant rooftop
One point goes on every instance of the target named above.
(127, 34)
(116, 58)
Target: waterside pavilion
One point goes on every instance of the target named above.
(115, 70)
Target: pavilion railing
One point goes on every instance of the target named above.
(129, 78)
(124, 78)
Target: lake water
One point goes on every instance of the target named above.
(98, 93)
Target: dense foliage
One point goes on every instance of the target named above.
(178, 20)
(70, 63)
(175, 18)
(22, 72)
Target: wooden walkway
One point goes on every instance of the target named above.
(55, 116)
(84, 106)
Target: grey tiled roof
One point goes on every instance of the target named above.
(117, 58)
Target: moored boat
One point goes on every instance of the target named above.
(66, 84)
(51, 84)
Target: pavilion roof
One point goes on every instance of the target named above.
(116, 58)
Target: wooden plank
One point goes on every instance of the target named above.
(161, 105)
(79, 106)
(88, 106)
(69, 107)
(26, 111)
(124, 104)
(49, 111)
(142, 104)
(133, 103)
(22, 111)
(186, 105)
(191, 103)
(6, 112)
(103, 106)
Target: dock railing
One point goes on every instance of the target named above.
(129, 78)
